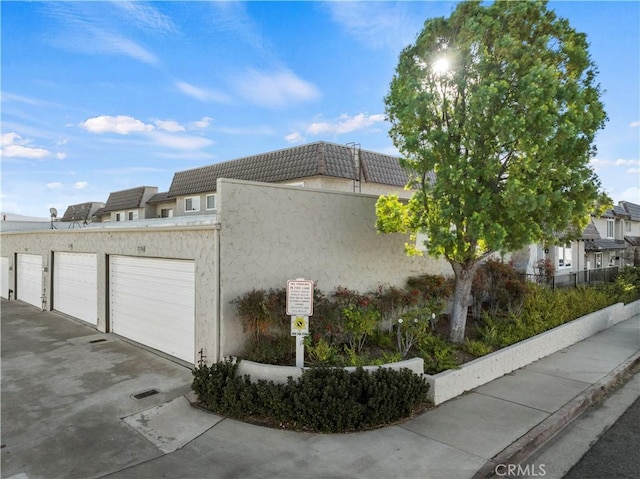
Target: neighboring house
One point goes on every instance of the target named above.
(631, 232)
(129, 205)
(606, 246)
(163, 204)
(82, 213)
(609, 240)
(319, 165)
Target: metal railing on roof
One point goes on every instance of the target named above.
(194, 220)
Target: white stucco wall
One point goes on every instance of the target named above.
(271, 233)
(193, 243)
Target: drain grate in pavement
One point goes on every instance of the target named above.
(145, 394)
(97, 341)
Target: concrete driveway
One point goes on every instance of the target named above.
(65, 391)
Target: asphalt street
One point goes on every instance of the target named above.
(616, 454)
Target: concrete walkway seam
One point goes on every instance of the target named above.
(524, 447)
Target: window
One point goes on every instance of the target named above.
(192, 203)
(132, 215)
(627, 225)
(118, 216)
(609, 228)
(598, 258)
(564, 256)
(211, 202)
(166, 213)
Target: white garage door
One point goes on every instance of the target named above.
(29, 280)
(75, 285)
(152, 301)
(4, 277)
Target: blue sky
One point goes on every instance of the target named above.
(104, 96)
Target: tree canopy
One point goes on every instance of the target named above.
(495, 111)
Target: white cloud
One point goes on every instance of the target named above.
(13, 146)
(54, 185)
(295, 137)
(345, 124)
(202, 94)
(61, 156)
(378, 24)
(121, 124)
(85, 30)
(201, 124)
(622, 162)
(169, 125)
(181, 142)
(146, 17)
(630, 194)
(275, 89)
(634, 124)
(79, 185)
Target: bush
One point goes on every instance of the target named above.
(438, 354)
(323, 399)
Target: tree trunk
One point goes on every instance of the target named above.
(465, 273)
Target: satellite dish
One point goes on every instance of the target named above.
(54, 212)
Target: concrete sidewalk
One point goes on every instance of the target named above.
(68, 412)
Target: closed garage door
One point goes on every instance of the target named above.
(4, 277)
(152, 301)
(29, 280)
(75, 285)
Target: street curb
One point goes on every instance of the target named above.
(524, 447)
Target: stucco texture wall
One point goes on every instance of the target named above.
(196, 244)
(272, 233)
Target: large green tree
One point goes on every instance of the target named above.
(494, 111)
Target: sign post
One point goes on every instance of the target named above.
(300, 308)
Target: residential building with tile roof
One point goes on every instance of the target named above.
(81, 213)
(129, 205)
(164, 205)
(321, 165)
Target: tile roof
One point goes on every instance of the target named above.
(313, 159)
(590, 232)
(132, 198)
(603, 245)
(160, 198)
(631, 208)
(619, 210)
(81, 211)
(632, 240)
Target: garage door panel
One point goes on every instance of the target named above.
(29, 279)
(152, 301)
(75, 285)
(4, 277)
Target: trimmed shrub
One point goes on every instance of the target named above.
(322, 399)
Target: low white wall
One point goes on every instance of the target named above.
(451, 383)
(280, 374)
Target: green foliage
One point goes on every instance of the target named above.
(323, 399)
(543, 309)
(401, 322)
(263, 312)
(270, 349)
(626, 287)
(413, 327)
(477, 348)
(320, 351)
(438, 354)
(499, 287)
(359, 322)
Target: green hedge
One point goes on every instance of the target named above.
(322, 399)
